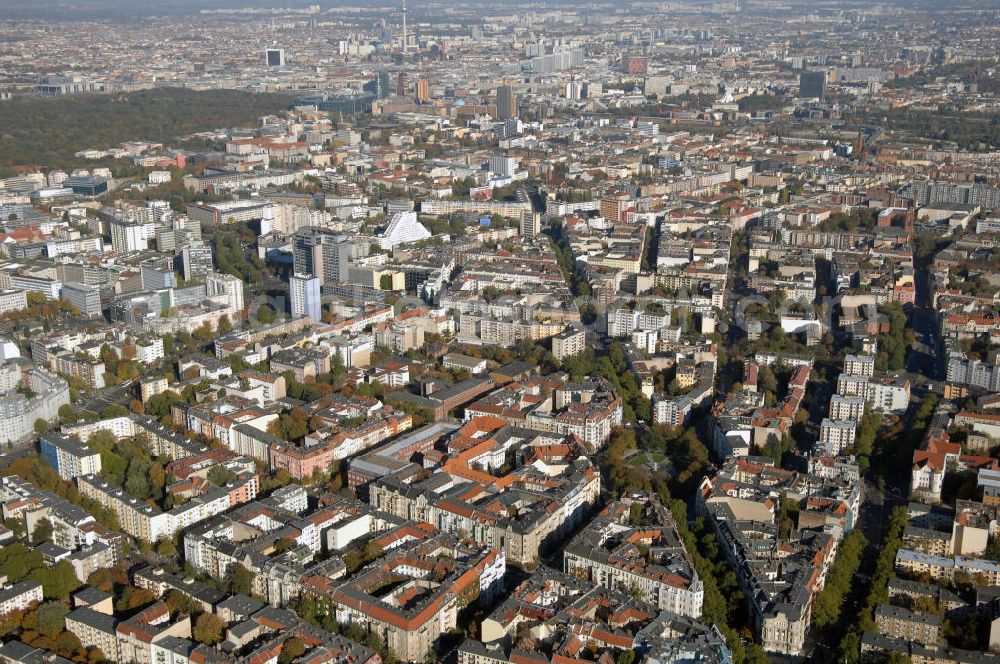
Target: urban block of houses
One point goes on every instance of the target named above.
(644, 556)
(505, 486)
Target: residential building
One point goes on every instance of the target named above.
(412, 627)
(15, 300)
(609, 553)
(484, 442)
(69, 456)
(19, 412)
(321, 253)
(503, 165)
(304, 293)
(847, 408)
(860, 365)
(85, 297)
(835, 436)
(568, 343)
(130, 236)
(900, 623)
(20, 596)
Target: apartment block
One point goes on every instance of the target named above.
(20, 596)
(69, 456)
(847, 408)
(900, 623)
(835, 436)
(568, 343)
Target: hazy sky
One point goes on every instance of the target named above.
(128, 9)
(86, 9)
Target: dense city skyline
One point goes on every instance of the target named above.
(476, 333)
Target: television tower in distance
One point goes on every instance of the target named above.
(404, 27)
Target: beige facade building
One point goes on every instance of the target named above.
(568, 343)
(900, 623)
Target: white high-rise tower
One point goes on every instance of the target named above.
(304, 290)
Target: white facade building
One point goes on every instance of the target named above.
(20, 596)
(149, 351)
(890, 396)
(503, 165)
(403, 228)
(227, 290)
(835, 436)
(13, 300)
(68, 456)
(860, 365)
(847, 408)
(128, 236)
(85, 297)
(304, 292)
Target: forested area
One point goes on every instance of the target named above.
(968, 130)
(754, 103)
(47, 132)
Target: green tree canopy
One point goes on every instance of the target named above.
(209, 629)
(58, 581)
